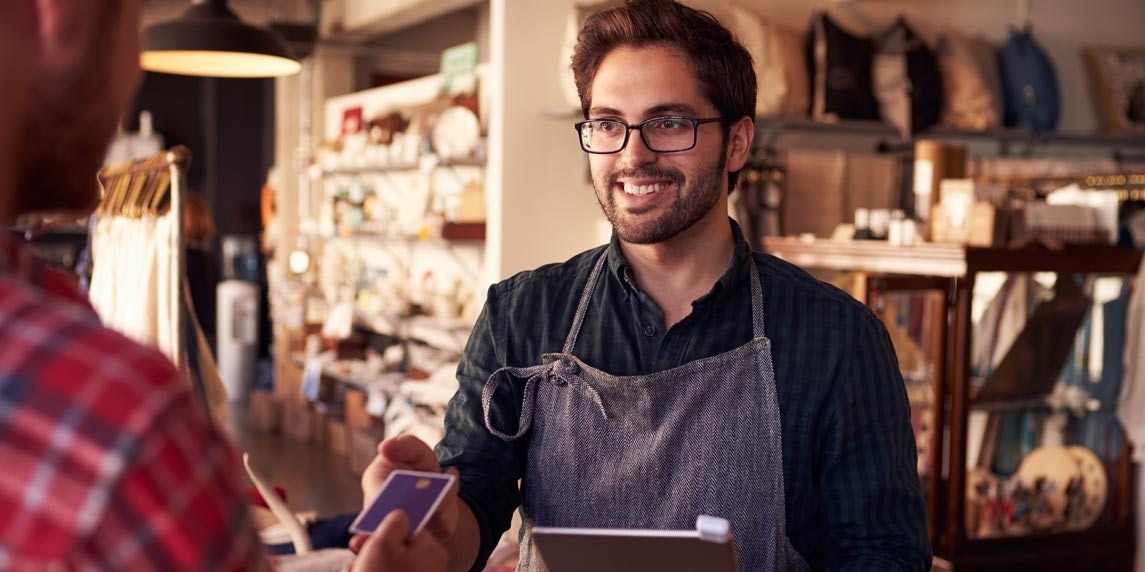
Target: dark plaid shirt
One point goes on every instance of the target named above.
(853, 498)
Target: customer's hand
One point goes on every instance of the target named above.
(412, 454)
(390, 549)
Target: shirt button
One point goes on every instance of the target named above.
(649, 331)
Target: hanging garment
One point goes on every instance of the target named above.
(609, 451)
(1131, 400)
(123, 278)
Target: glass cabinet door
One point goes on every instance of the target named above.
(1044, 447)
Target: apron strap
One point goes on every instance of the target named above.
(757, 323)
(582, 307)
(558, 371)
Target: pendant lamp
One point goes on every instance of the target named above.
(210, 40)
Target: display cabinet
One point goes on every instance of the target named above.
(1012, 365)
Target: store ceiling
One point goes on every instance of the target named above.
(258, 12)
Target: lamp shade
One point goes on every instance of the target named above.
(210, 40)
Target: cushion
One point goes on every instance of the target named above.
(839, 64)
(972, 97)
(908, 85)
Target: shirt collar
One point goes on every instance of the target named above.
(736, 272)
(19, 262)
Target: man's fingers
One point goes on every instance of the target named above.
(385, 545)
(356, 542)
(409, 452)
(394, 531)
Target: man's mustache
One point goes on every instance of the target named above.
(671, 175)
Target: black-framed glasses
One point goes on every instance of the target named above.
(667, 134)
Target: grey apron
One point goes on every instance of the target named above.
(655, 451)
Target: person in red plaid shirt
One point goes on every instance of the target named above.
(105, 460)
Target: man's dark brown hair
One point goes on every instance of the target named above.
(722, 66)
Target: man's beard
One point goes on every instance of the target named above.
(695, 197)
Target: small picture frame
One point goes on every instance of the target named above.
(1117, 86)
(352, 122)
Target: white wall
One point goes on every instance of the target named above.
(546, 207)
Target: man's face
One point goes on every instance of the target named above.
(651, 197)
(88, 72)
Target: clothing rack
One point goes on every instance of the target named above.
(155, 186)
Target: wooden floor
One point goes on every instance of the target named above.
(315, 478)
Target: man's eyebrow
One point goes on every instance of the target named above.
(595, 111)
(657, 110)
(677, 108)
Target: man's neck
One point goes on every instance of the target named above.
(680, 270)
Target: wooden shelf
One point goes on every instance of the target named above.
(449, 335)
(947, 260)
(950, 260)
(381, 169)
(882, 137)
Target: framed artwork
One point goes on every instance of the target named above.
(352, 122)
(1117, 86)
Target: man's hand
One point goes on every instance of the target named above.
(409, 453)
(389, 549)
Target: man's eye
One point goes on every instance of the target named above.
(606, 126)
(668, 124)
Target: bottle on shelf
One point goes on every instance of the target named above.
(862, 224)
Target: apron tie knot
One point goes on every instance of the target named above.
(557, 371)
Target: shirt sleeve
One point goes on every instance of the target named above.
(489, 467)
(177, 504)
(872, 495)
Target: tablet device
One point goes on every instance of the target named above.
(415, 492)
(709, 548)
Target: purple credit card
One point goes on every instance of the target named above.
(417, 493)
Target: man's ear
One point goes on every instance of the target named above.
(740, 135)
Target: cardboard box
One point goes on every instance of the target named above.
(264, 412)
(287, 378)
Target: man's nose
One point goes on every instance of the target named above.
(636, 153)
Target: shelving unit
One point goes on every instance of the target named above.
(953, 270)
(878, 136)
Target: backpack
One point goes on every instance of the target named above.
(1029, 84)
